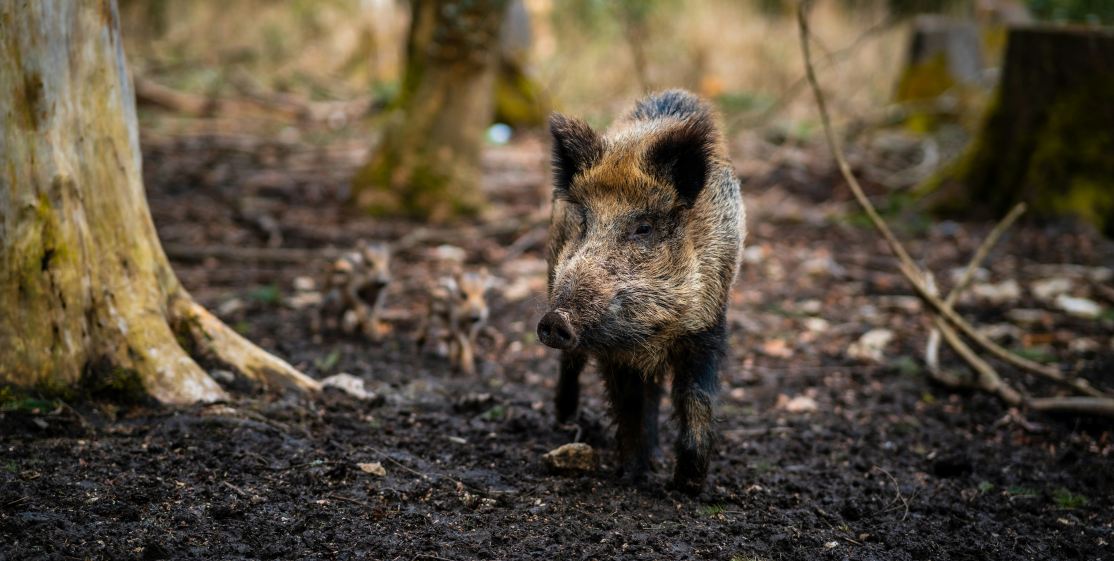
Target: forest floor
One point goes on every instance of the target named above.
(821, 455)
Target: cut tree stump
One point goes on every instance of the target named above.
(945, 54)
(1048, 137)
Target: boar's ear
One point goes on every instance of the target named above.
(683, 156)
(576, 147)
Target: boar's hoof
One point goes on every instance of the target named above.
(690, 485)
(554, 330)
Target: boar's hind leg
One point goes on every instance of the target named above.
(695, 382)
(568, 385)
(635, 402)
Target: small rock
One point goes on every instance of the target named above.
(348, 384)
(575, 456)
(1084, 345)
(449, 253)
(304, 284)
(910, 304)
(816, 325)
(754, 254)
(230, 306)
(870, 346)
(822, 266)
(1001, 331)
(980, 275)
(1078, 307)
(811, 306)
(1026, 316)
(777, 348)
(522, 288)
(302, 300)
(1049, 289)
(1000, 293)
(373, 468)
(798, 404)
(222, 376)
(474, 402)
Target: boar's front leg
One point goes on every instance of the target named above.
(635, 403)
(696, 363)
(568, 385)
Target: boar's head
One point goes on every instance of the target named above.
(637, 227)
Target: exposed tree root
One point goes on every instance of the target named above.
(166, 371)
(213, 338)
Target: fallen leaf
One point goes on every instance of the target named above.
(1048, 289)
(777, 348)
(373, 468)
(798, 404)
(1078, 307)
(870, 346)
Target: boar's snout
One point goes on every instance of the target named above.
(555, 330)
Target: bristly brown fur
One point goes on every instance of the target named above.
(645, 237)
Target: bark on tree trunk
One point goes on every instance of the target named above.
(944, 54)
(86, 293)
(428, 163)
(1049, 136)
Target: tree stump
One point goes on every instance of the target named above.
(1048, 138)
(87, 296)
(944, 53)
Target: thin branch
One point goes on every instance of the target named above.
(831, 59)
(906, 264)
(1074, 405)
(983, 250)
(988, 378)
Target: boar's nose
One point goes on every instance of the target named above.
(555, 331)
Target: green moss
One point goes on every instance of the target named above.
(519, 101)
(418, 186)
(42, 398)
(925, 80)
(102, 381)
(1061, 166)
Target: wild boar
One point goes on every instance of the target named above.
(354, 290)
(458, 305)
(645, 238)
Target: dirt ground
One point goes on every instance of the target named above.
(821, 455)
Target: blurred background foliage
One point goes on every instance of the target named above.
(912, 77)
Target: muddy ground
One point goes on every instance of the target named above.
(822, 455)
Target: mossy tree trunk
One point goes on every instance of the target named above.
(520, 100)
(944, 54)
(428, 162)
(86, 293)
(1048, 138)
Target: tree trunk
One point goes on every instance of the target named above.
(87, 296)
(520, 100)
(428, 162)
(1049, 136)
(944, 54)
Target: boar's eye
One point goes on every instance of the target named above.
(641, 230)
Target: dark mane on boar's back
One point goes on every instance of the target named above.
(678, 104)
